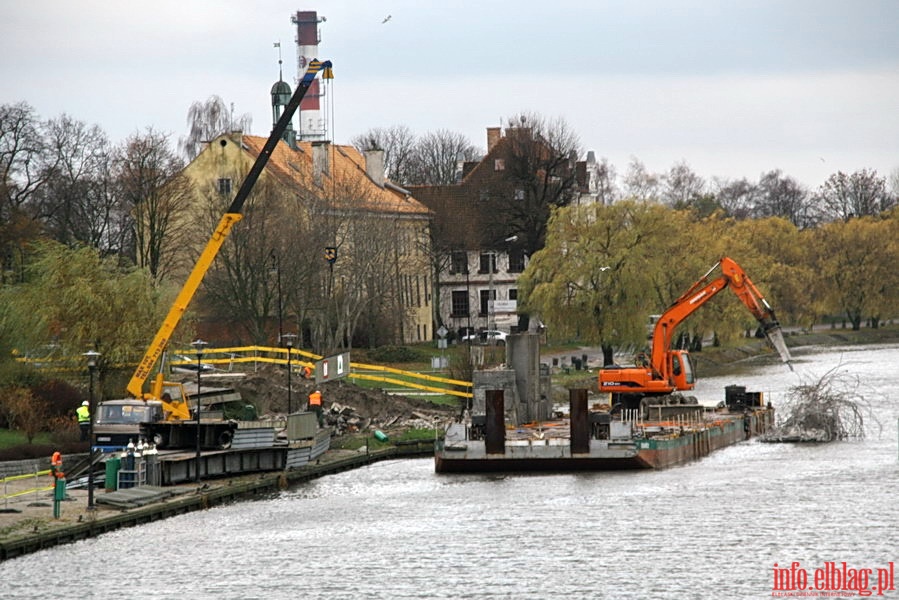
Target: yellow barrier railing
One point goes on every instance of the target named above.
(7, 495)
(265, 354)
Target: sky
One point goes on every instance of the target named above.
(732, 88)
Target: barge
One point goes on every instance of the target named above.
(672, 432)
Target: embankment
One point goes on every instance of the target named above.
(24, 532)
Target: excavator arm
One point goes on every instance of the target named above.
(668, 370)
(732, 276)
(232, 216)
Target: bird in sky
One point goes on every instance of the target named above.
(387, 18)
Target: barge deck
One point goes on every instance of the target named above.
(598, 440)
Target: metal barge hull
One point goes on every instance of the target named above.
(649, 446)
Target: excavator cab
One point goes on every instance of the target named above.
(682, 371)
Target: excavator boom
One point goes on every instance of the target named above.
(669, 370)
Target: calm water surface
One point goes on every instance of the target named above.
(710, 529)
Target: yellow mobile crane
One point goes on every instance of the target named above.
(167, 402)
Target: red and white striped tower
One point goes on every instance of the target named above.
(313, 124)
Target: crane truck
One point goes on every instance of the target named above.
(164, 412)
(664, 371)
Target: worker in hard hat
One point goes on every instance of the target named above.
(83, 413)
(315, 405)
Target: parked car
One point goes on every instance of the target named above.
(489, 337)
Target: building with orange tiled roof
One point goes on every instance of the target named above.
(314, 196)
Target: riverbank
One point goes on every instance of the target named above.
(32, 526)
(715, 361)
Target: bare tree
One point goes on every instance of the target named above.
(640, 184)
(24, 164)
(681, 187)
(782, 196)
(76, 203)
(209, 119)
(22, 156)
(154, 192)
(398, 143)
(539, 165)
(860, 194)
(737, 197)
(437, 157)
(607, 188)
(240, 285)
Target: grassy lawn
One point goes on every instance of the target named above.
(9, 438)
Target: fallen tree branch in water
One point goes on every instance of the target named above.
(832, 408)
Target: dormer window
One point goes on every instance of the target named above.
(225, 186)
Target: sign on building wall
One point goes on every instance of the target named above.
(504, 306)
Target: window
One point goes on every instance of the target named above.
(488, 262)
(460, 303)
(224, 186)
(460, 262)
(486, 296)
(519, 194)
(499, 164)
(513, 294)
(516, 260)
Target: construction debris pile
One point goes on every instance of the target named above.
(829, 409)
(347, 419)
(348, 408)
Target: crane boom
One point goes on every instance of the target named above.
(232, 216)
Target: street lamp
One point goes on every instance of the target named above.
(276, 267)
(288, 341)
(491, 312)
(198, 345)
(92, 357)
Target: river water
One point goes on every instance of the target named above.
(714, 528)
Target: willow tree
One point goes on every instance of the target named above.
(857, 259)
(81, 301)
(777, 258)
(592, 279)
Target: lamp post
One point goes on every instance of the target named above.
(491, 313)
(276, 267)
(288, 341)
(92, 357)
(198, 345)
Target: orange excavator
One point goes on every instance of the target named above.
(665, 371)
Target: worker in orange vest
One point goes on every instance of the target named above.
(315, 405)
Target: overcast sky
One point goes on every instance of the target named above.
(733, 88)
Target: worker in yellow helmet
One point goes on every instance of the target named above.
(83, 413)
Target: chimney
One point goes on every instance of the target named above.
(319, 161)
(374, 166)
(493, 135)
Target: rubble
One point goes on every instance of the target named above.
(349, 408)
